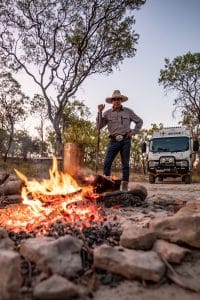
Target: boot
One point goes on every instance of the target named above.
(124, 186)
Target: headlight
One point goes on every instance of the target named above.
(167, 160)
(153, 163)
(182, 163)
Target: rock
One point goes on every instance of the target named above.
(194, 204)
(11, 187)
(171, 252)
(10, 275)
(3, 177)
(131, 264)
(5, 241)
(183, 227)
(55, 287)
(3, 233)
(61, 256)
(138, 190)
(137, 238)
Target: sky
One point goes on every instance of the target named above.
(167, 29)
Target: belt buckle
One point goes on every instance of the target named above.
(119, 137)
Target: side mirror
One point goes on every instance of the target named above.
(144, 147)
(196, 146)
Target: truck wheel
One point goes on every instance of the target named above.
(152, 179)
(188, 179)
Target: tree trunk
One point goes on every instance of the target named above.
(59, 144)
(9, 142)
(73, 159)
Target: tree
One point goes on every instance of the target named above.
(74, 110)
(3, 140)
(38, 108)
(83, 132)
(77, 128)
(12, 106)
(60, 43)
(26, 146)
(182, 75)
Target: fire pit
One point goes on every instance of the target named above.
(61, 198)
(43, 203)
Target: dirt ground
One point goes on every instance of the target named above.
(189, 268)
(176, 190)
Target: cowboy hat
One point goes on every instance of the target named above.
(116, 94)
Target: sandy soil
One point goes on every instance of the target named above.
(178, 190)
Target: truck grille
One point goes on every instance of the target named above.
(167, 161)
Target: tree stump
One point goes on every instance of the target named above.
(73, 159)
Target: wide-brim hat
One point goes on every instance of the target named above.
(116, 94)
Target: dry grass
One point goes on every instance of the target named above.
(29, 168)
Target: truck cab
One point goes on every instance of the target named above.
(171, 153)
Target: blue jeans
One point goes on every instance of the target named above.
(123, 147)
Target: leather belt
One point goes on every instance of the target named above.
(118, 137)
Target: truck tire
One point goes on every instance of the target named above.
(188, 179)
(152, 179)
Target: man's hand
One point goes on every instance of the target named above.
(101, 107)
(129, 134)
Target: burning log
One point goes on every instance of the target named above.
(61, 198)
(48, 199)
(103, 184)
(10, 199)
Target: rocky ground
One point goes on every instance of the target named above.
(148, 249)
(165, 199)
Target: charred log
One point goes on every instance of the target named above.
(134, 197)
(10, 199)
(119, 198)
(103, 184)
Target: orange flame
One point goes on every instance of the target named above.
(57, 198)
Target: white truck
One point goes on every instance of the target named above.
(171, 153)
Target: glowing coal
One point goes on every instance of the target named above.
(57, 198)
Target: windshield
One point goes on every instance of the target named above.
(169, 144)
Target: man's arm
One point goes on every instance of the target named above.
(138, 122)
(101, 121)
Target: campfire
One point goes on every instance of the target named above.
(58, 198)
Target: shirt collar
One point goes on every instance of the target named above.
(121, 108)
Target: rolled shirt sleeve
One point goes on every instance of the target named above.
(118, 122)
(100, 121)
(138, 122)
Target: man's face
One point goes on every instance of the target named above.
(116, 102)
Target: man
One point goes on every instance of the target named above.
(118, 120)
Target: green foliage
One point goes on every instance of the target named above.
(25, 146)
(66, 42)
(3, 140)
(12, 107)
(78, 129)
(182, 75)
(12, 101)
